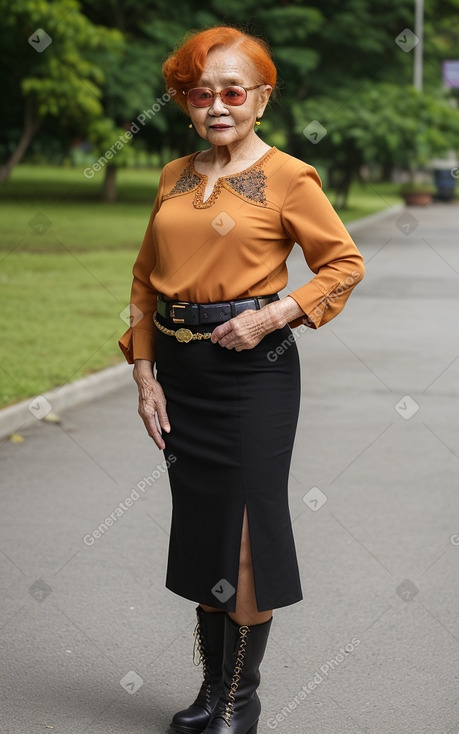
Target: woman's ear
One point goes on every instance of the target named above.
(264, 99)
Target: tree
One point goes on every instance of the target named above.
(329, 57)
(112, 149)
(386, 124)
(44, 48)
(133, 83)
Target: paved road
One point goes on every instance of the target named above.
(91, 641)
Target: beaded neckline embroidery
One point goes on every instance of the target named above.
(249, 183)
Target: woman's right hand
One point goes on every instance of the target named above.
(152, 402)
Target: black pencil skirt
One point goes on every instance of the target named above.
(233, 419)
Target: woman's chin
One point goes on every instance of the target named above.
(224, 136)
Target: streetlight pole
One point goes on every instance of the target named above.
(419, 48)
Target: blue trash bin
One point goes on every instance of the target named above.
(445, 184)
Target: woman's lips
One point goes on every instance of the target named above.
(220, 127)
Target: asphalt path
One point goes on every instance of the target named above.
(91, 642)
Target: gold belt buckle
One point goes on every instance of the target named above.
(183, 335)
(173, 316)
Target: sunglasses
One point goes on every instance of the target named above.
(233, 95)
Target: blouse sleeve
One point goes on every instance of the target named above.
(310, 220)
(138, 342)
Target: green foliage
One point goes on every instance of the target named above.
(105, 136)
(60, 81)
(337, 62)
(413, 187)
(386, 124)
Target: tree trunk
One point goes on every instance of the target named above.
(293, 146)
(32, 124)
(342, 192)
(387, 168)
(109, 189)
(348, 174)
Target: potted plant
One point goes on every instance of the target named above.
(415, 193)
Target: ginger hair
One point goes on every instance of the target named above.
(183, 68)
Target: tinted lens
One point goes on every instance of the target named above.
(200, 97)
(204, 97)
(233, 95)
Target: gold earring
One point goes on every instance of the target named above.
(190, 125)
(258, 122)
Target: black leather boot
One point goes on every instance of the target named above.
(209, 639)
(238, 707)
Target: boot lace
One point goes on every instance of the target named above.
(198, 647)
(227, 712)
(199, 656)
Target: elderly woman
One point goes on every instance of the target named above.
(206, 316)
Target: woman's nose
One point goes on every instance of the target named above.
(217, 107)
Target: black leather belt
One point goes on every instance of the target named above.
(184, 312)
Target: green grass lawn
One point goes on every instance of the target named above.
(366, 199)
(65, 270)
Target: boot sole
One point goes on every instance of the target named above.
(187, 730)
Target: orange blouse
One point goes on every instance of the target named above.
(235, 243)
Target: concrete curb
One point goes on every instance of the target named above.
(19, 416)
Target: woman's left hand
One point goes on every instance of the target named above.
(244, 331)
(248, 328)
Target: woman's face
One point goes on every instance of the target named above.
(222, 124)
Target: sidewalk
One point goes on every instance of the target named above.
(91, 641)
